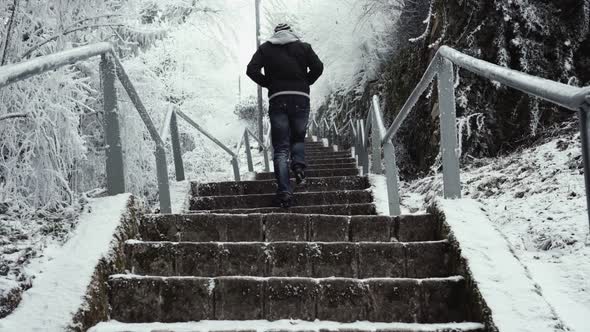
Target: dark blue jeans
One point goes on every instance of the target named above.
(289, 115)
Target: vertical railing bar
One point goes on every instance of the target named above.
(375, 144)
(365, 151)
(115, 168)
(236, 166)
(165, 130)
(248, 151)
(356, 142)
(392, 179)
(584, 116)
(448, 129)
(176, 148)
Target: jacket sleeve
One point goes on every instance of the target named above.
(316, 67)
(254, 70)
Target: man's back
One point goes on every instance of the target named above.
(285, 60)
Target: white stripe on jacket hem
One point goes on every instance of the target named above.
(285, 93)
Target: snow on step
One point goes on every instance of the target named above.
(286, 326)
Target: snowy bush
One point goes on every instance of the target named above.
(247, 111)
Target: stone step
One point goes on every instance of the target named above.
(266, 200)
(289, 227)
(319, 150)
(328, 155)
(270, 186)
(313, 174)
(286, 325)
(327, 167)
(331, 161)
(335, 209)
(290, 259)
(141, 299)
(313, 167)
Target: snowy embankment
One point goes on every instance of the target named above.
(63, 273)
(536, 199)
(501, 278)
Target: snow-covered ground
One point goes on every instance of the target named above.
(63, 273)
(536, 199)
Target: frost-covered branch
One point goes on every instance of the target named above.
(12, 116)
(427, 21)
(67, 32)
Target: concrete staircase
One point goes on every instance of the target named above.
(233, 257)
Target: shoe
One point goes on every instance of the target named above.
(299, 175)
(283, 200)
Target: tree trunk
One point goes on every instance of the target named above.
(8, 32)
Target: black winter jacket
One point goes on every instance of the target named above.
(285, 67)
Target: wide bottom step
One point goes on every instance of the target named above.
(286, 326)
(141, 299)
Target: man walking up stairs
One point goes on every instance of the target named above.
(286, 60)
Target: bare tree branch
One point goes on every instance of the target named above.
(67, 32)
(8, 32)
(12, 116)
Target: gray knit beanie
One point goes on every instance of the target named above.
(283, 26)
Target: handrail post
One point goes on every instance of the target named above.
(326, 134)
(392, 179)
(584, 116)
(365, 150)
(176, 150)
(334, 137)
(236, 167)
(360, 133)
(115, 169)
(248, 151)
(448, 129)
(163, 183)
(375, 146)
(266, 159)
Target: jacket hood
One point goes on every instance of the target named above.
(283, 37)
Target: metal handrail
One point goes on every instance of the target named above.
(442, 68)
(245, 141)
(17, 72)
(110, 68)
